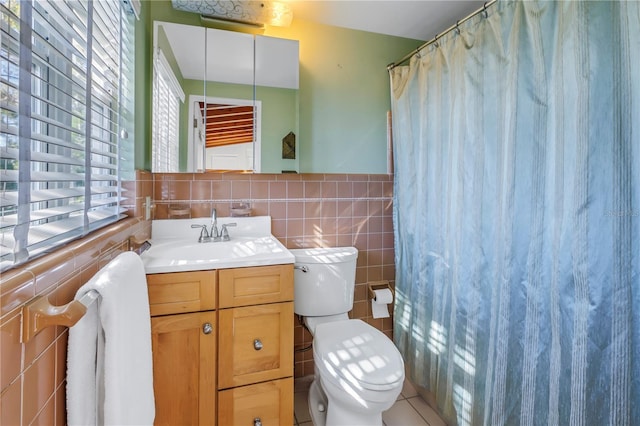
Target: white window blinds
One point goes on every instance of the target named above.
(167, 96)
(66, 83)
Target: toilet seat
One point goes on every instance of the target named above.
(353, 351)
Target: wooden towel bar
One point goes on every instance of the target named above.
(40, 313)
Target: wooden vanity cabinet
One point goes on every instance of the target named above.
(255, 286)
(268, 403)
(184, 372)
(255, 346)
(239, 320)
(181, 292)
(183, 340)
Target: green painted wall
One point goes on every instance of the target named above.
(279, 117)
(343, 96)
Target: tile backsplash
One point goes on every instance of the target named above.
(307, 210)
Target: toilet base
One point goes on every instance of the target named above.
(336, 414)
(317, 404)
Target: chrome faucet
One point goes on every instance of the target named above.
(213, 235)
(214, 224)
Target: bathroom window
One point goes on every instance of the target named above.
(66, 112)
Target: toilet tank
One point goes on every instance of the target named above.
(327, 286)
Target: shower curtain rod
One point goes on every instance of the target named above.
(433, 40)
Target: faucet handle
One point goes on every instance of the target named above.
(204, 235)
(224, 233)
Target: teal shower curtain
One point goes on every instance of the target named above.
(517, 215)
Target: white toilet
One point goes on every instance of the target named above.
(359, 371)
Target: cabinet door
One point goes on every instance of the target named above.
(184, 368)
(256, 344)
(256, 285)
(269, 404)
(181, 292)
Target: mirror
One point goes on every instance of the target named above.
(223, 100)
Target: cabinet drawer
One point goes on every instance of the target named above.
(270, 402)
(256, 344)
(181, 292)
(254, 286)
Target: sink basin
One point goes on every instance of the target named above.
(172, 252)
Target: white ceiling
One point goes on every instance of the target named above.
(417, 19)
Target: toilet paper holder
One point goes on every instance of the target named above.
(379, 286)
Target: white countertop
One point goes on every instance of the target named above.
(175, 246)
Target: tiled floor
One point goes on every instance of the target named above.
(409, 410)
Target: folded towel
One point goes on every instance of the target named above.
(109, 362)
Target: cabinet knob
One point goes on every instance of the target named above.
(207, 328)
(257, 422)
(257, 345)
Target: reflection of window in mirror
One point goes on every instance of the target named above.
(231, 126)
(167, 96)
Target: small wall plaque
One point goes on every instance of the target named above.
(289, 146)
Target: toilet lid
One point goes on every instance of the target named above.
(354, 351)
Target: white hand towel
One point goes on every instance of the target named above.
(109, 362)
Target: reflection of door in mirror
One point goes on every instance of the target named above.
(232, 129)
(197, 138)
(229, 103)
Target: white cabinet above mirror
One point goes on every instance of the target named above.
(210, 80)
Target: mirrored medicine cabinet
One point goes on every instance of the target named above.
(223, 100)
